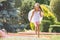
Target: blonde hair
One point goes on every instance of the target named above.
(37, 4)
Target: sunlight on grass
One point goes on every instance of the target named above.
(55, 37)
(22, 38)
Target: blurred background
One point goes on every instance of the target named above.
(14, 15)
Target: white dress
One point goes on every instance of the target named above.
(36, 17)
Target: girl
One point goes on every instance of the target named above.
(35, 16)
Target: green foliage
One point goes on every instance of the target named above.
(32, 26)
(8, 12)
(48, 19)
(18, 3)
(55, 6)
(8, 16)
(48, 15)
(57, 23)
(43, 1)
(55, 28)
(26, 6)
(45, 25)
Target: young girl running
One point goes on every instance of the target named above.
(35, 16)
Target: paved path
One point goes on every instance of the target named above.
(31, 34)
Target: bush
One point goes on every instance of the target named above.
(32, 26)
(48, 19)
(43, 1)
(45, 25)
(26, 6)
(57, 23)
(55, 7)
(18, 3)
(48, 15)
(54, 28)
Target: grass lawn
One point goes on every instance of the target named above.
(55, 37)
(43, 37)
(22, 38)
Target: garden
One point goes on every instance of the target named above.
(14, 18)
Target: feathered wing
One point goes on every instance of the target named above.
(30, 14)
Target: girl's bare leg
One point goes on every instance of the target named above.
(35, 28)
(38, 30)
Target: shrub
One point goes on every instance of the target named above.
(43, 1)
(54, 28)
(48, 15)
(18, 3)
(26, 6)
(48, 19)
(32, 26)
(57, 23)
(45, 25)
(55, 7)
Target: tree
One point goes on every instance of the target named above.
(8, 15)
(26, 6)
(8, 12)
(55, 7)
(18, 3)
(43, 1)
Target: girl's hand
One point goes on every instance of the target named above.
(42, 14)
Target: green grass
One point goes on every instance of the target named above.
(55, 37)
(22, 38)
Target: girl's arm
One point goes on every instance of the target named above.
(41, 14)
